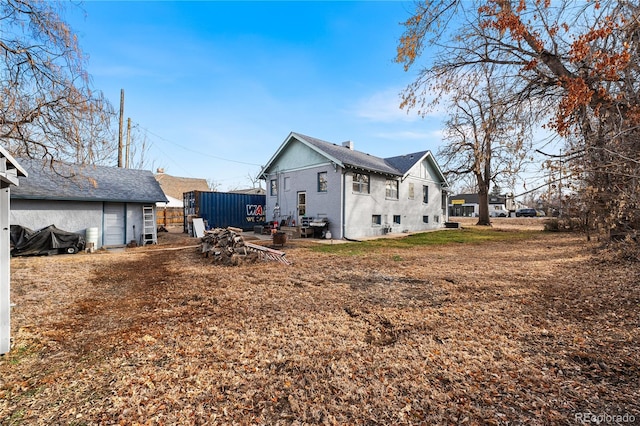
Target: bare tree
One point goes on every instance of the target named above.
(47, 107)
(578, 61)
(213, 185)
(486, 135)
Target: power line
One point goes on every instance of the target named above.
(195, 151)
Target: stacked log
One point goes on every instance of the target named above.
(226, 246)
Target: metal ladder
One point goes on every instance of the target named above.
(149, 232)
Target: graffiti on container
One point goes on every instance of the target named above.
(255, 213)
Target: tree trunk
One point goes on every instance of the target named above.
(483, 214)
(483, 201)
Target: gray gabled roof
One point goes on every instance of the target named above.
(87, 183)
(405, 162)
(349, 158)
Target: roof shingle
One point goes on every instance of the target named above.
(87, 183)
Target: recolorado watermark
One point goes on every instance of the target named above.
(597, 419)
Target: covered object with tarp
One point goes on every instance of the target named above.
(48, 240)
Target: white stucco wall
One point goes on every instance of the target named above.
(74, 216)
(360, 208)
(319, 204)
(65, 215)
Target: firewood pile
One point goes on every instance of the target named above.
(228, 247)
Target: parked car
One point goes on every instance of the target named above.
(48, 240)
(526, 213)
(498, 213)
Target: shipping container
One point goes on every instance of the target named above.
(223, 209)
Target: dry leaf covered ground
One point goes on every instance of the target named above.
(534, 331)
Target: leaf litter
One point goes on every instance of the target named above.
(531, 331)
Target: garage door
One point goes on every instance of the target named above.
(114, 223)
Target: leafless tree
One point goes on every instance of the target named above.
(47, 107)
(578, 62)
(487, 135)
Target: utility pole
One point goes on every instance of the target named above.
(120, 128)
(126, 157)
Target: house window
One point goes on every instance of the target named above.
(425, 219)
(287, 183)
(274, 187)
(396, 219)
(411, 191)
(376, 219)
(391, 189)
(361, 183)
(322, 182)
(436, 219)
(425, 194)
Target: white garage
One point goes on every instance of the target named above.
(107, 201)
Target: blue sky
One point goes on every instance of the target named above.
(217, 86)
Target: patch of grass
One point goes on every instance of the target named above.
(18, 354)
(474, 235)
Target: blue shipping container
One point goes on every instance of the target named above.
(223, 209)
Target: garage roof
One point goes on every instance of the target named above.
(87, 183)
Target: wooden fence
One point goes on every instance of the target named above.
(170, 216)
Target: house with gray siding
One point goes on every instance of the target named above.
(357, 194)
(106, 200)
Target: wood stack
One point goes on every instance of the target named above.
(227, 246)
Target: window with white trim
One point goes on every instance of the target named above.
(361, 183)
(322, 182)
(391, 189)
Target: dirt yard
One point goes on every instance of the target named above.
(541, 331)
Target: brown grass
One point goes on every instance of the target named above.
(522, 332)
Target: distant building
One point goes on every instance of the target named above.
(468, 205)
(174, 187)
(253, 191)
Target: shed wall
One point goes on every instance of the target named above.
(77, 216)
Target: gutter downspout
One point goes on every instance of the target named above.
(344, 207)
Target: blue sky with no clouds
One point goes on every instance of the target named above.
(217, 86)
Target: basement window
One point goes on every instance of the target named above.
(376, 219)
(396, 219)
